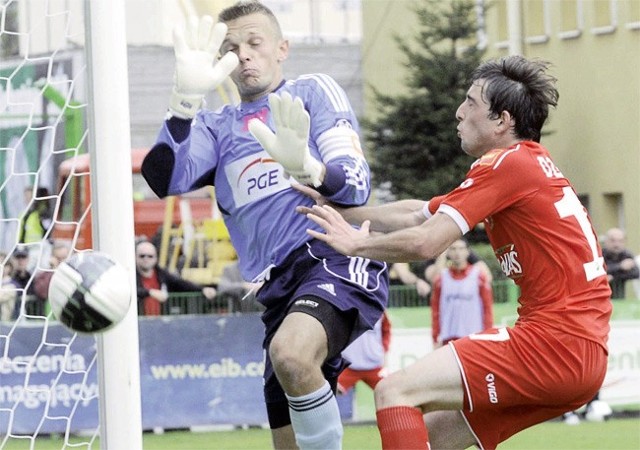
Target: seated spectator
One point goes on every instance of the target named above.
(621, 264)
(8, 292)
(20, 276)
(42, 278)
(154, 284)
(34, 226)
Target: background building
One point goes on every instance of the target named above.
(43, 92)
(594, 46)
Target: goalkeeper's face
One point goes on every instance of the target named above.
(257, 41)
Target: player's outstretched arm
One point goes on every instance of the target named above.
(383, 218)
(196, 45)
(289, 145)
(338, 233)
(415, 243)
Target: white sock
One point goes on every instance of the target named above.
(316, 420)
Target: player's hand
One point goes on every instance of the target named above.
(289, 145)
(339, 234)
(423, 288)
(196, 47)
(159, 294)
(627, 264)
(313, 195)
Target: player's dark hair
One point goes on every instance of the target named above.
(523, 88)
(244, 8)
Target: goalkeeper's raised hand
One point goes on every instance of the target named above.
(196, 47)
(289, 144)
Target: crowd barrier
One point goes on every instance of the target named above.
(197, 370)
(400, 296)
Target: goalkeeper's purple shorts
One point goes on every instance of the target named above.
(348, 295)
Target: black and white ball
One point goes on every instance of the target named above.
(90, 292)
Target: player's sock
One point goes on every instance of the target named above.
(315, 418)
(402, 427)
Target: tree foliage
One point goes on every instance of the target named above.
(413, 141)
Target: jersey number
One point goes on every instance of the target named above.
(570, 206)
(497, 335)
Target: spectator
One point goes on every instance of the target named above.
(42, 278)
(621, 267)
(8, 293)
(462, 299)
(401, 274)
(21, 276)
(317, 300)
(482, 389)
(238, 293)
(34, 226)
(621, 264)
(435, 266)
(154, 284)
(27, 196)
(367, 356)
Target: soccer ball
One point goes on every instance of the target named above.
(90, 292)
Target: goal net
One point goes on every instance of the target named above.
(63, 92)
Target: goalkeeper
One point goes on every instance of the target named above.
(283, 132)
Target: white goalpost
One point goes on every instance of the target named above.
(64, 91)
(118, 351)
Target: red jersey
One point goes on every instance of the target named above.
(152, 306)
(541, 235)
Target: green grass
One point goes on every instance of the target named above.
(504, 313)
(618, 434)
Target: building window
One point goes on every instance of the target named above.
(499, 8)
(614, 208)
(537, 21)
(633, 14)
(585, 200)
(571, 19)
(605, 13)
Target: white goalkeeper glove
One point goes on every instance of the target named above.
(289, 144)
(196, 47)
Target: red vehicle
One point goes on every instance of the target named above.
(148, 210)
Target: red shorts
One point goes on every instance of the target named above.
(348, 378)
(515, 378)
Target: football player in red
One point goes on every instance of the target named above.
(482, 389)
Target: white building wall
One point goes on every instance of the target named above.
(46, 25)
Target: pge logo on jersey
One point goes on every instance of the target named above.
(255, 177)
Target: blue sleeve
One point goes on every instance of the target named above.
(347, 178)
(183, 159)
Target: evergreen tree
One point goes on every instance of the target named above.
(413, 142)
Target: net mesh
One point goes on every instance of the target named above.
(48, 375)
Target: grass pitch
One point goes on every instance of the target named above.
(615, 434)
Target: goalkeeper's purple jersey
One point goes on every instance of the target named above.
(256, 200)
